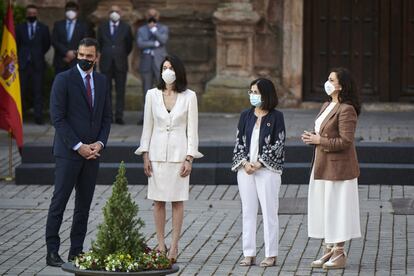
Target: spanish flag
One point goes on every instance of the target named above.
(11, 118)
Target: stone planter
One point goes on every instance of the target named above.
(71, 268)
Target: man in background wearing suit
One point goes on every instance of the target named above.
(33, 41)
(151, 40)
(66, 36)
(80, 109)
(115, 39)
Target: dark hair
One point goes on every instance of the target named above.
(349, 92)
(268, 93)
(71, 6)
(89, 41)
(180, 84)
(31, 6)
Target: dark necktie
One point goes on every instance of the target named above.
(114, 29)
(89, 90)
(68, 29)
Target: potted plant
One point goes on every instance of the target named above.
(120, 248)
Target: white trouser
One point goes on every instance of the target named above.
(263, 185)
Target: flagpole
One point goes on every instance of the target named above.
(10, 177)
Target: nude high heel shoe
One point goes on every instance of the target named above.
(268, 261)
(337, 262)
(248, 261)
(172, 256)
(326, 256)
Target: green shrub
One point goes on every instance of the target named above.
(19, 14)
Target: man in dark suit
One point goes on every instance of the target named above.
(80, 109)
(66, 36)
(33, 41)
(115, 39)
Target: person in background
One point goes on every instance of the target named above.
(33, 41)
(169, 144)
(115, 38)
(151, 40)
(66, 36)
(80, 110)
(258, 159)
(333, 204)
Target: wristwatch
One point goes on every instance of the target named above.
(189, 160)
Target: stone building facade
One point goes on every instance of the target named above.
(226, 44)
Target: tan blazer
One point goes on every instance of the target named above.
(336, 157)
(170, 136)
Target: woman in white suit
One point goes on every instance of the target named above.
(169, 143)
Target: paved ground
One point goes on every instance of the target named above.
(211, 238)
(210, 243)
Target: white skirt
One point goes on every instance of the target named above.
(166, 184)
(333, 210)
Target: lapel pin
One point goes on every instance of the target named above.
(268, 124)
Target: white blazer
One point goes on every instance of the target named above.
(170, 137)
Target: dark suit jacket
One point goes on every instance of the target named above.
(33, 50)
(336, 157)
(114, 48)
(61, 45)
(71, 116)
(146, 41)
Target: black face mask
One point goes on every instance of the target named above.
(85, 64)
(31, 19)
(152, 20)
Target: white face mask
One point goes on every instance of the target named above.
(70, 14)
(114, 16)
(168, 76)
(329, 88)
(256, 100)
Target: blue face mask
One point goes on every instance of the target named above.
(256, 100)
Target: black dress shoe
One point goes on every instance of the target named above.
(53, 259)
(119, 121)
(39, 121)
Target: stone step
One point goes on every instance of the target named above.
(296, 152)
(381, 163)
(220, 173)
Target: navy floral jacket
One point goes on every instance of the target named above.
(271, 140)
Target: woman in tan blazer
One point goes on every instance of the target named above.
(169, 143)
(333, 205)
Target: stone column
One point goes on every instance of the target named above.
(293, 50)
(235, 22)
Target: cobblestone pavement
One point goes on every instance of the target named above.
(211, 236)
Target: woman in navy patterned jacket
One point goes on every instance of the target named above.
(258, 159)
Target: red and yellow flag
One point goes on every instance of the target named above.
(10, 102)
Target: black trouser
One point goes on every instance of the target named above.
(120, 82)
(31, 80)
(82, 175)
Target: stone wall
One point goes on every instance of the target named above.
(193, 38)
